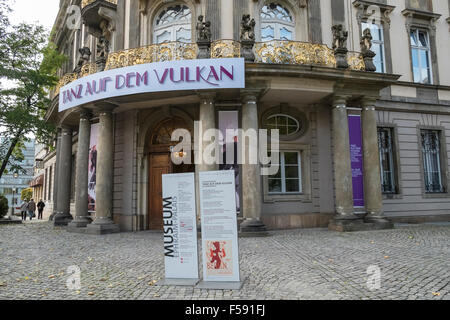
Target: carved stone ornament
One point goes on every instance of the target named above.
(102, 53)
(85, 56)
(340, 46)
(247, 28)
(203, 30)
(366, 52)
(203, 38)
(247, 38)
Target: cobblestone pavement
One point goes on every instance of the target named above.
(414, 261)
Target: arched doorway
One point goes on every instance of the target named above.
(160, 163)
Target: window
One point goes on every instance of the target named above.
(49, 183)
(420, 52)
(288, 179)
(173, 24)
(286, 124)
(431, 158)
(45, 184)
(276, 23)
(386, 149)
(377, 45)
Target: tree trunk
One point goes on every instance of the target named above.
(8, 154)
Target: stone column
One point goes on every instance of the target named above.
(63, 216)
(345, 219)
(82, 172)
(226, 27)
(251, 173)
(55, 173)
(372, 182)
(103, 222)
(207, 120)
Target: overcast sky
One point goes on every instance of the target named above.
(41, 11)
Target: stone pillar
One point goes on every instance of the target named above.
(55, 173)
(343, 187)
(226, 27)
(207, 120)
(251, 173)
(63, 216)
(372, 182)
(103, 222)
(82, 172)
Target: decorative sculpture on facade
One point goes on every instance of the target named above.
(247, 28)
(340, 45)
(203, 29)
(366, 52)
(203, 38)
(103, 46)
(85, 56)
(247, 37)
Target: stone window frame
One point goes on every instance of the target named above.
(285, 109)
(298, 10)
(278, 24)
(443, 160)
(385, 23)
(149, 11)
(172, 25)
(397, 166)
(423, 20)
(305, 173)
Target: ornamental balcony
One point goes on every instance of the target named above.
(85, 3)
(271, 52)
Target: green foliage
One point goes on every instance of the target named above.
(26, 194)
(29, 63)
(3, 206)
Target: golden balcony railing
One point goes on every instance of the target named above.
(271, 52)
(169, 51)
(85, 3)
(225, 49)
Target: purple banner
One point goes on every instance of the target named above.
(355, 133)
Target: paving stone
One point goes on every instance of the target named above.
(413, 261)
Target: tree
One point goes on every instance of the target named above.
(29, 64)
(26, 194)
(3, 206)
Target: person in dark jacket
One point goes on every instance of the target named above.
(31, 208)
(40, 207)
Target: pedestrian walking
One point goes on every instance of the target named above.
(23, 210)
(31, 208)
(40, 207)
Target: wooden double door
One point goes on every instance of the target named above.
(159, 164)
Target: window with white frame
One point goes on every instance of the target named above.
(420, 52)
(287, 125)
(173, 24)
(288, 180)
(277, 23)
(431, 157)
(386, 150)
(377, 44)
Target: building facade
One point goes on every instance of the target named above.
(358, 146)
(12, 183)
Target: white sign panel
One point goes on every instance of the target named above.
(180, 226)
(219, 226)
(154, 77)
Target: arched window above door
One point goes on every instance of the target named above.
(173, 23)
(277, 22)
(162, 134)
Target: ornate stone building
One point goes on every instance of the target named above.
(363, 137)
